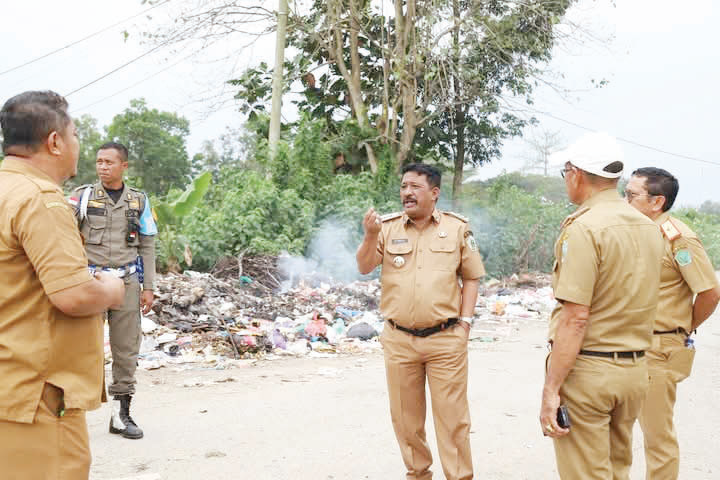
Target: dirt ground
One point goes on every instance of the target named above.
(328, 418)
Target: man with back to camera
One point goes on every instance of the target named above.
(51, 332)
(689, 293)
(119, 230)
(428, 314)
(605, 279)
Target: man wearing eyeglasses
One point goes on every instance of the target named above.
(606, 279)
(687, 273)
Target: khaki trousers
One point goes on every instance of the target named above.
(125, 339)
(669, 363)
(604, 397)
(442, 359)
(50, 448)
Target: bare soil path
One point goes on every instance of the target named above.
(317, 419)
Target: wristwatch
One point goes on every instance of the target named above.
(468, 320)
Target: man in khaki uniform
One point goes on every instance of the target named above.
(428, 313)
(51, 334)
(118, 227)
(606, 280)
(689, 293)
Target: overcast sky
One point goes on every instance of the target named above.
(659, 57)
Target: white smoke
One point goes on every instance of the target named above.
(330, 257)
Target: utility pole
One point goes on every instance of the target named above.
(277, 83)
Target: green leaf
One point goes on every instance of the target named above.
(165, 214)
(192, 195)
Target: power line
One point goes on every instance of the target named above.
(632, 142)
(17, 67)
(118, 68)
(84, 107)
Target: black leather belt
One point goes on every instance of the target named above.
(591, 353)
(425, 332)
(665, 332)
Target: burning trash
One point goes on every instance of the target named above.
(249, 312)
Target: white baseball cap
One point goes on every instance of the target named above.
(592, 153)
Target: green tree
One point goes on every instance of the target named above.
(449, 64)
(396, 69)
(90, 139)
(207, 159)
(156, 141)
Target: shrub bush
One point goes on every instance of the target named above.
(515, 230)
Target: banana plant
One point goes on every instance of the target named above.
(169, 214)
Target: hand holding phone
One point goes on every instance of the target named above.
(563, 417)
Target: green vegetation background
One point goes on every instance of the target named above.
(266, 207)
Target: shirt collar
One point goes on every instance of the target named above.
(11, 164)
(435, 217)
(99, 186)
(609, 195)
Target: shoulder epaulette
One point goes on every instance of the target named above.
(136, 190)
(574, 216)
(391, 216)
(82, 187)
(462, 218)
(670, 230)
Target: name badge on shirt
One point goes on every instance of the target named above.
(398, 241)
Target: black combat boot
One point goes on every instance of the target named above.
(121, 422)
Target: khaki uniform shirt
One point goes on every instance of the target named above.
(105, 230)
(41, 253)
(686, 271)
(420, 269)
(608, 258)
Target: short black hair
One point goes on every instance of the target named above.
(433, 175)
(122, 149)
(28, 118)
(660, 182)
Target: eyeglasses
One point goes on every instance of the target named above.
(565, 170)
(630, 196)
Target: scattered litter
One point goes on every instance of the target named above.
(199, 320)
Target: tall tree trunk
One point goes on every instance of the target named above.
(384, 126)
(459, 111)
(406, 53)
(277, 82)
(352, 76)
(356, 93)
(460, 115)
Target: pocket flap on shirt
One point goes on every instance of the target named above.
(95, 235)
(443, 245)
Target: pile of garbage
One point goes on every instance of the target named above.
(199, 318)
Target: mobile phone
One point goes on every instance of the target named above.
(563, 417)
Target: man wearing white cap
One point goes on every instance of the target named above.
(606, 279)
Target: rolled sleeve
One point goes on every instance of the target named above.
(47, 231)
(578, 267)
